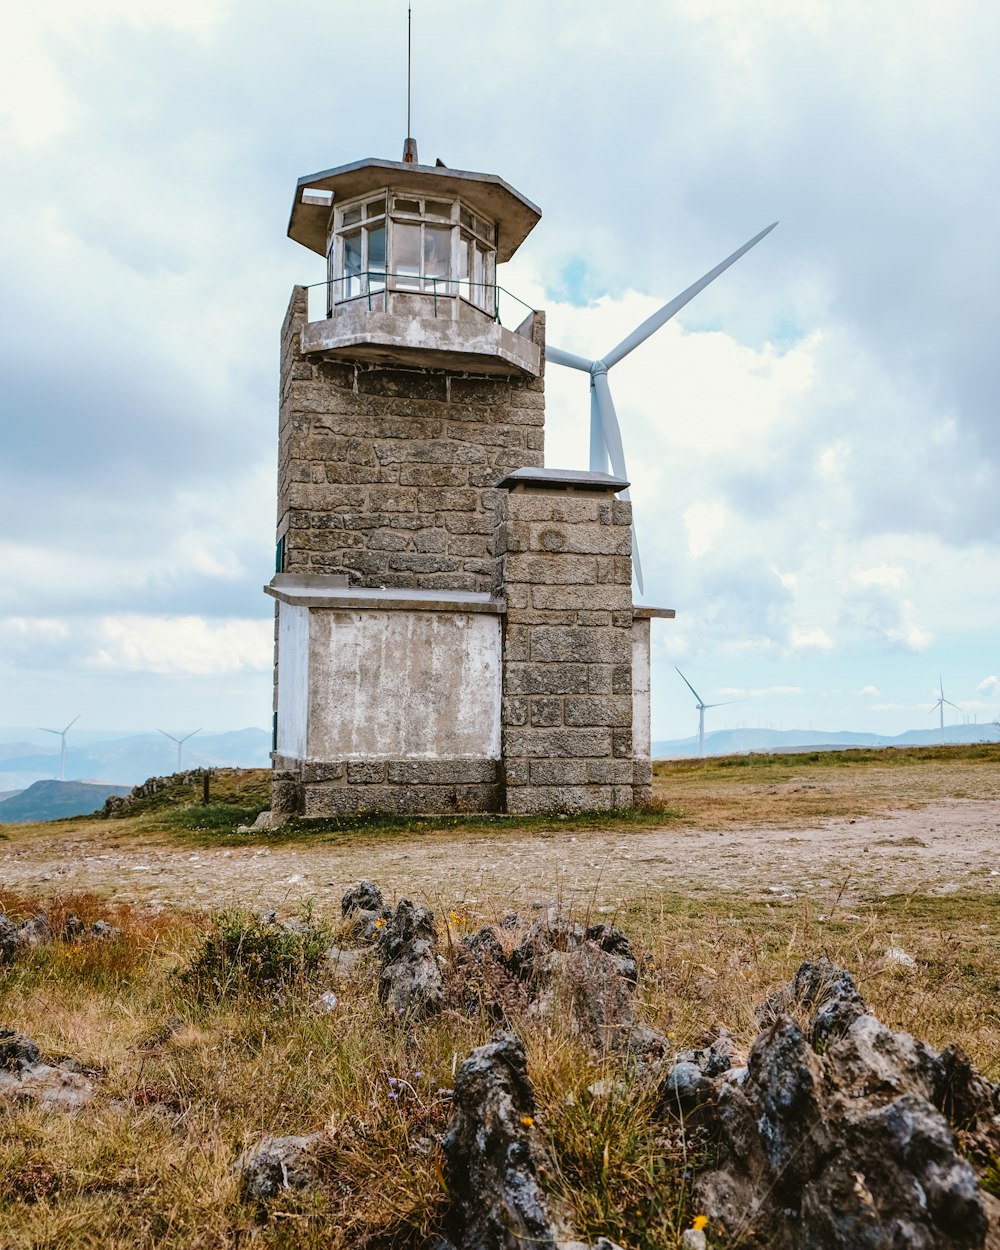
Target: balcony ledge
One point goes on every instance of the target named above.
(354, 333)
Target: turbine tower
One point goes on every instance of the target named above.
(605, 432)
(62, 743)
(180, 741)
(701, 705)
(941, 702)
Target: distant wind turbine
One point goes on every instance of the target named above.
(941, 702)
(62, 740)
(605, 434)
(180, 741)
(701, 705)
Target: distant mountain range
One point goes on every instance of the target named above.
(744, 741)
(53, 800)
(129, 759)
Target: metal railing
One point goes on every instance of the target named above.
(378, 284)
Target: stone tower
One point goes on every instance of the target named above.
(454, 624)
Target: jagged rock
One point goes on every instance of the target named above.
(106, 932)
(73, 927)
(410, 980)
(35, 930)
(837, 1133)
(11, 940)
(482, 947)
(492, 1156)
(17, 1052)
(277, 1163)
(589, 972)
(364, 907)
(365, 896)
(821, 985)
(24, 1077)
(344, 961)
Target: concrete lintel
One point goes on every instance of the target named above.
(562, 480)
(304, 593)
(640, 613)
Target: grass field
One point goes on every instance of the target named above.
(187, 1077)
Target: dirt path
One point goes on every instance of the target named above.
(951, 844)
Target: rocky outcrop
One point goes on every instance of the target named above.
(26, 1077)
(410, 980)
(841, 1133)
(492, 1154)
(278, 1163)
(363, 908)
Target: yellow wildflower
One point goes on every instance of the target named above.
(527, 1121)
(699, 1222)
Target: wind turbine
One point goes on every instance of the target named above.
(701, 705)
(941, 702)
(605, 433)
(180, 741)
(62, 740)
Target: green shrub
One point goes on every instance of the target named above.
(244, 955)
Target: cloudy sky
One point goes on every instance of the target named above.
(814, 442)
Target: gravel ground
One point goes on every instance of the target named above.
(948, 845)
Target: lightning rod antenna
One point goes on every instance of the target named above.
(410, 147)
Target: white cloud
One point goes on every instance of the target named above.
(805, 638)
(872, 691)
(182, 645)
(989, 686)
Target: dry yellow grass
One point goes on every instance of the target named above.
(148, 1163)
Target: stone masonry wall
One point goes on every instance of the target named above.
(386, 474)
(565, 569)
(351, 787)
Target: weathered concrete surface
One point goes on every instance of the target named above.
(389, 685)
(483, 346)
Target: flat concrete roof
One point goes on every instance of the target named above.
(488, 195)
(310, 592)
(640, 613)
(562, 479)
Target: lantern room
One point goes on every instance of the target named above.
(412, 254)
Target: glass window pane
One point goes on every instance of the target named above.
(376, 258)
(488, 231)
(437, 254)
(351, 284)
(375, 208)
(437, 208)
(406, 256)
(406, 206)
(466, 218)
(351, 216)
(478, 290)
(463, 267)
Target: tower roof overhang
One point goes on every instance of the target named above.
(486, 194)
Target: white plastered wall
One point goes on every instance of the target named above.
(401, 685)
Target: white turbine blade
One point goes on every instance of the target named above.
(688, 684)
(598, 451)
(653, 323)
(72, 722)
(559, 357)
(954, 705)
(166, 735)
(49, 731)
(613, 442)
(727, 703)
(192, 733)
(636, 565)
(609, 425)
